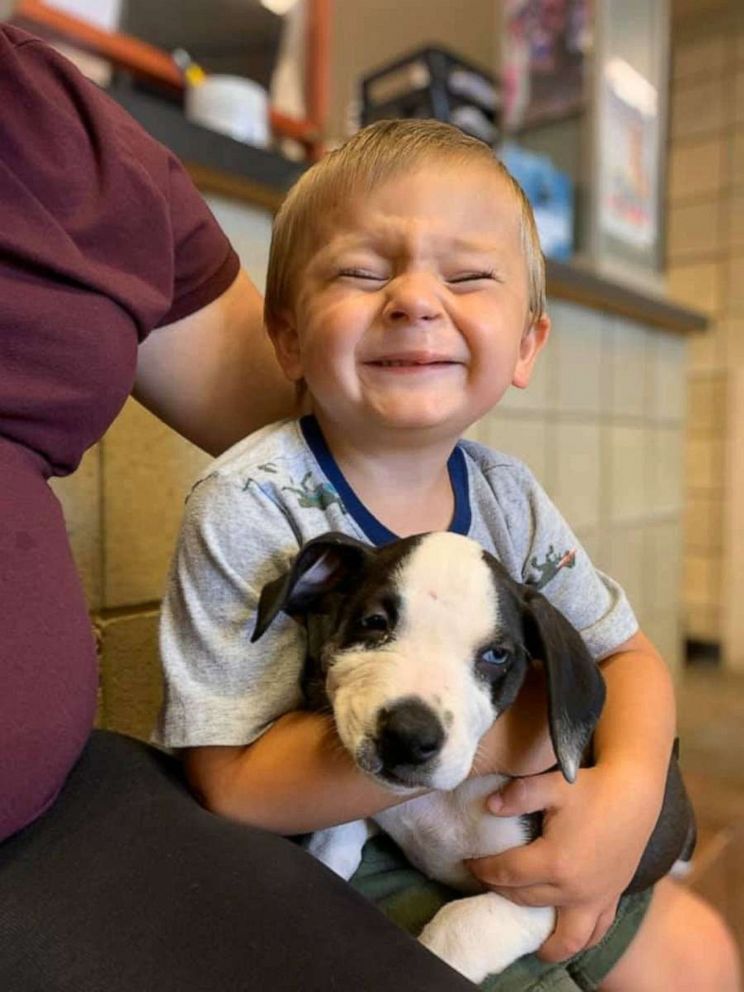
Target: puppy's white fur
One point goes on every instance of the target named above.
(449, 611)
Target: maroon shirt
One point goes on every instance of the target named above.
(102, 238)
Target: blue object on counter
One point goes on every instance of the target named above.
(551, 194)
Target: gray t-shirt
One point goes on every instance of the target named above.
(245, 520)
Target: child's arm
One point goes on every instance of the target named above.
(298, 777)
(595, 830)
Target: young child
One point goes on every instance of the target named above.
(405, 295)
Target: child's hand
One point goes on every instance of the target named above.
(594, 833)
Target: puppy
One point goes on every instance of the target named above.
(418, 647)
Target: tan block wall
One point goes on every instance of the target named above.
(705, 258)
(602, 427)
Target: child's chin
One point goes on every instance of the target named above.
(406, 416)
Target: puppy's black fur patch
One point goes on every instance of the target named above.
(343, 593)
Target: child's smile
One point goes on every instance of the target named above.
(411, 362)
(411, 319)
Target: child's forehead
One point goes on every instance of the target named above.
(468, 208)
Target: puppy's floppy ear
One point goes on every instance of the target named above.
(576, 689)
(321, 566)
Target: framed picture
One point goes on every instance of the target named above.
(545, 44)
(628, 159)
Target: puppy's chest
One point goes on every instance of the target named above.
(437, 831)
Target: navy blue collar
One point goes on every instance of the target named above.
(377, 532)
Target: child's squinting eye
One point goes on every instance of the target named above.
(362, 274)
(471, 277)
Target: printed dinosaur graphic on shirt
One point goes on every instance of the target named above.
(552, 565)
(316, 497)
(311, 495)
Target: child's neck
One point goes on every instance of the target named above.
(407, 488)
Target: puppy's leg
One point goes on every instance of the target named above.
(482, 935)
(340, 848)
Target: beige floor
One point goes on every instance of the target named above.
(711, 727)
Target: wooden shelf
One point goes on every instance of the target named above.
(578, 284)
(216, 162)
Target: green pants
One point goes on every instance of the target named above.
(410, 899)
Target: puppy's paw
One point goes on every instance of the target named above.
(340, 848)
(483, 935)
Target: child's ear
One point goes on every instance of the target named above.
(533, 341)
(283, 333)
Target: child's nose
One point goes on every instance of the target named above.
(412, 298)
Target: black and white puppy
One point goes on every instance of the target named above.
(418, 647)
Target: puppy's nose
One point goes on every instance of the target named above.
(408, 733)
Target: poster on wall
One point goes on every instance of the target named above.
(545, 44)
(629, 147)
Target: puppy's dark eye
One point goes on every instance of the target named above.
(375, 621)
(494, 656)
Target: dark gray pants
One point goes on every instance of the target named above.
(127, 885)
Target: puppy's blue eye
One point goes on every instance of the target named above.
(494, 656)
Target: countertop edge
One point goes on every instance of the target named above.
(577, 284)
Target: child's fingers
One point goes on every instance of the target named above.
(531, 864)
(531, 895)
(575, 929)
(604, 922)
(527, 795)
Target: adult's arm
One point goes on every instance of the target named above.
(212, 375)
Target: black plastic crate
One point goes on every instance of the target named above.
(434, 82)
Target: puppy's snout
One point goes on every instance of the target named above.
(408, 733)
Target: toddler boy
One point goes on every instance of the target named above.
(405, 295)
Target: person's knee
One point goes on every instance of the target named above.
(720, 954)
(708, 957)
(683, 944)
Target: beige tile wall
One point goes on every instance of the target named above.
(705, 256)
(602, 428)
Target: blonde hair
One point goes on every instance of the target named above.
(369, 158)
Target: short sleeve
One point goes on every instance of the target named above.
(204, 262)
(555, 562)
(516, 520)
(219, 687)
(93, 202)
